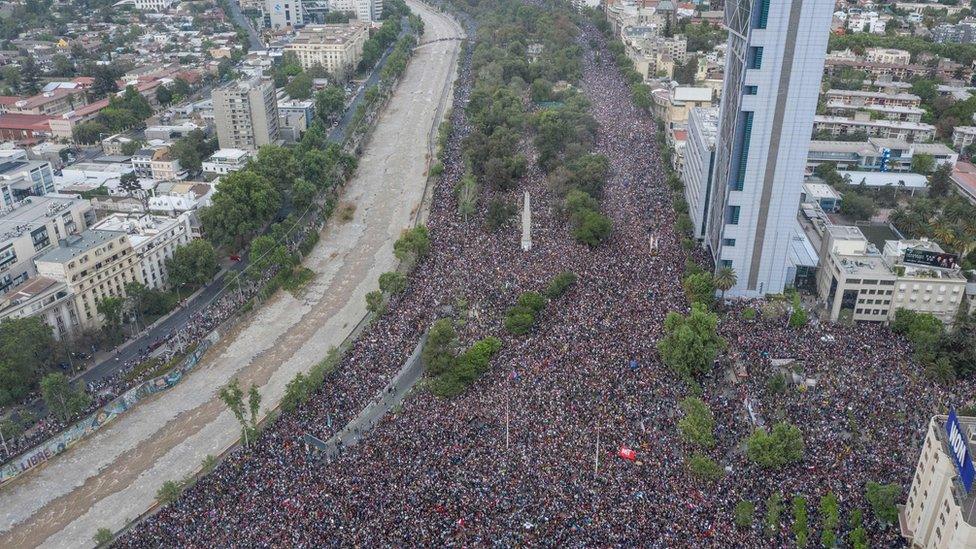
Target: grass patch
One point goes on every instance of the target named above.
(155, 367)
(298, 279)
(346, 211)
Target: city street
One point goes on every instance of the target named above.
(113, 477)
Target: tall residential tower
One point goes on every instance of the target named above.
(774, 64)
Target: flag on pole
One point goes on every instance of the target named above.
(627, 453)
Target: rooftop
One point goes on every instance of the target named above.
(140, 228)
(966, 502)
(72, 246)
(964, 176)
(878, 123)
(685, 93)
(820, 190)
(329, 34)
(876, 95)
(27, 290)
(886, 179)
(32, 213)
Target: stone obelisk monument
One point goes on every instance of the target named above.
(526, 224)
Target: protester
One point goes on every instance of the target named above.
(527, 456)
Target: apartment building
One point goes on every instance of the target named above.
(774, 63)
(154, 240)
(153, 5)
(875, 154)
(34, 227)
(21, 178)
(46, 299)
(940, 512)
(872, 98)
(94, 265)
(225, 161)
(50, 103)
(367, 11)
(246, 114)
(887, 55)
(872, 285)
(283, 14)
(294, 117)
(336, 47)
(699, 165)
(963, 136)
(862, 123)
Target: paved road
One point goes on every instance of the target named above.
(238, 16)
(114, 475)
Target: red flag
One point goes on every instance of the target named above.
(627, 453)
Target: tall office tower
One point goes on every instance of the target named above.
(246, 114)
(775, 60)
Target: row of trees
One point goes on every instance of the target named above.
(944, 354)
(451, 371)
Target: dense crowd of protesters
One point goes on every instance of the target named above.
(527, 456)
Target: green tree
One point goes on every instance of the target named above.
(164, 95)
(192, 264)
(169, 492)
(413, 244)
(374, 301)
(857, 206)
(267, 253)
(593, 228)
(440, 349)
(26, 353)
(801, 523)
(940, 182)
(698, 425)
(299, 87)
(63, 401)
(393, 283)
(88, 133)
(243, 203)
(883, 499)
(725, 279)
(559, 284)
(103, 536)
(700, 288)
(744, 513)
(192, 149)
(829, 519)
(499, 214)
(233, 397)
(329, 102)
(774, 508)
(111, 310)
(858, 536)
(303, 193)
(519, 321)
(798, 318)
(278, 165)
(776, 449)
(923, 163)
(704, 467)
(690, 343)
(30, 77)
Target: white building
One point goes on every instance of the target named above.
(862, 123)
(246, 114)
(152, 5)
(365, 10)
(46, 299)
(772, 81)
(34, 227)
(283, 14)
(940, 513)
(889, 56)
(21, 178)
(337, 48)
(699, 164)
(868, 21)
(154, 239)
(225, 161)
(963, 136)
(294, 117)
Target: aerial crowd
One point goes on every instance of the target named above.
(529, 454)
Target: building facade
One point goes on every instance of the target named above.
(225, 161)
(94, 265)
(21, 178)
(246, 114)
(283, 14)
(939, 513)
(337, 48)
(366, 11)
(699, 164)
(33, 228)
(154, 240)
(772, 82)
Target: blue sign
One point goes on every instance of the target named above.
(885, 156)
(959, 448)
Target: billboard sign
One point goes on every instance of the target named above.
(959, 449)
(931, 259)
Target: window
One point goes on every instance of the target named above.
(755, 57)
(725, 263)
(732, 215)
(744, 140)
(728, 242)
(763, 14)
(750, 90)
